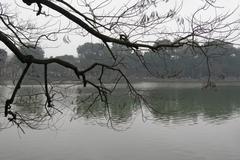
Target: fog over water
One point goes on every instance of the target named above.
(183, 123)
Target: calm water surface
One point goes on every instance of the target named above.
(184, 123)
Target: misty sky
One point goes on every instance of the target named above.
(61, 48)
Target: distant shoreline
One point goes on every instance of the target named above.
(178, 82)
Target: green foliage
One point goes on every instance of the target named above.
(36, 52)
(184, 62)
(16, 67)
(190, 62)
(3, 57)
(60, 73)
(90, 53)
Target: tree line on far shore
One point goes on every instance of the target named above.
(186, 63)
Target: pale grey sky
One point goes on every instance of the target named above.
(61, 48)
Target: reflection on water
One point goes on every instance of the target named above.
(30, 100)
(178, 105)
(184, 124)
(120, 111)
(167, 106)
(29, 104)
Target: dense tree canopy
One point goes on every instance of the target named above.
(3, 58)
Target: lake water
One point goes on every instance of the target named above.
(182, 123)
